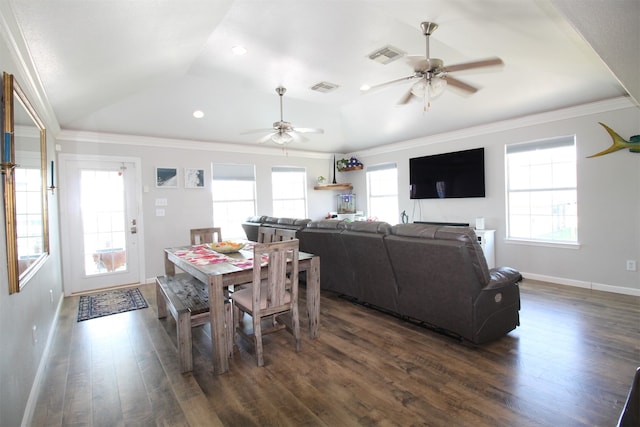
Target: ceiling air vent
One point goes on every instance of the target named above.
(386, 54)
(324, 87)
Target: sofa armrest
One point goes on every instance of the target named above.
(496, 310)
(503, 276)
(258, 219)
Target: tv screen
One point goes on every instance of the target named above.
(450, 175)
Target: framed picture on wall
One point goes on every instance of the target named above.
(193, 178)
(167, 177)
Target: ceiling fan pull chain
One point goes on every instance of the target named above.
(426, 102)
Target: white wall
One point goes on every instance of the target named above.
(191, 208)
(608, 190)
(609, 208)
(608, 193)
(20, 353)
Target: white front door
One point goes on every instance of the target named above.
(100, 222)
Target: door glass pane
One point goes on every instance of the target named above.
(103, 220)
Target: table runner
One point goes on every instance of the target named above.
(204, 255)
(201, 255)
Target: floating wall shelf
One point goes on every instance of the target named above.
(346, 186)
(351, 168)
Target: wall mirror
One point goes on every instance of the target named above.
(24, 164)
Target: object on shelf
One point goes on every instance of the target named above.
(321, 180)
(345, 165)
(350, 217)
(346, 203)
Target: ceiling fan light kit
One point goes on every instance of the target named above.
(281, 138)
(432, 87)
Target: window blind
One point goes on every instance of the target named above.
(232, 172)
(381, 167)
(545, 144)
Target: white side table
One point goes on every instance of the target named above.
(486, 238)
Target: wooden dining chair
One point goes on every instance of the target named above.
(200, 236)
(284, 234)
(266, 234)
(270, 297)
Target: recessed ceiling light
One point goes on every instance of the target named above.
(239, 50)
(365, 88)
(198, 114)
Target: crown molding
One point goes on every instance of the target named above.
(26, 72)
(181, 144)
(597, 107)
(504, 125)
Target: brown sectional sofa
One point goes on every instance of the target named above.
(251, 224)
(432, 274)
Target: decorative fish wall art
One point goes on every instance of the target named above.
(619, 143)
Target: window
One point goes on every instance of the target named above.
(541, 191)
(29, 221)
(233, 189)
(382, 190)
(289, 192)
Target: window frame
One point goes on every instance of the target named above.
(298, 170)
(379, 168)
(552, 188)
(230, 172)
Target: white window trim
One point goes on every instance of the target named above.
(299, 170)
(528, 146)
(377, 168)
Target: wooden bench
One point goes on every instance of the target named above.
(187, 299)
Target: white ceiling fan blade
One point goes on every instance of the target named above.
(452, 81)
(389, 83)
(489, 62)
(297, 137)
(308, 130)
(266, 138)
(247, 132)
(406, 97)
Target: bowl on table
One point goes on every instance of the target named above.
(226, 246)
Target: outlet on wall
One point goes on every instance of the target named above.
(631, 265)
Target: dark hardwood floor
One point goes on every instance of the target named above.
(571, 363)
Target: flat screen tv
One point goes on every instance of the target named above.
(449, 175)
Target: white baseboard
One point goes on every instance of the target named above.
(29, 410)
(583, 284)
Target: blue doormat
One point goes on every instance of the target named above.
(110, 302)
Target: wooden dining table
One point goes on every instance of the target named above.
(220, 271)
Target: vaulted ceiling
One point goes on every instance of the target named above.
(143, 67)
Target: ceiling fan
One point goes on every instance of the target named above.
(283, 132)
(432, 75)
